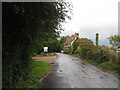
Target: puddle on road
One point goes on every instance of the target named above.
(82, 66)
(106, 75)
(60, 70)
(60, 73)
(84, 72)
(83, 77)
(83, 63)
(80, 63)
(77, 61)
(101, 77)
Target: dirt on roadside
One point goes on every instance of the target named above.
(49, 59)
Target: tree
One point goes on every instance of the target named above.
(85, 46)
(52, 44)
(115, 40)
(97, 37)
(62, 41)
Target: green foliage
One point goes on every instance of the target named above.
(111, 66)
(30, 82)
(68, 51)
(97, 36)
(39, 69)
(114, 57)
(86, 46)
(115, 40)
(74, 46)
(62, 42)
(53, 45)
(26, 26)
(100, 54)
(78, 50)
(87, 50)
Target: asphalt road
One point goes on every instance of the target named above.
(71, 72)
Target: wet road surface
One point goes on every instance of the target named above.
(71, 72)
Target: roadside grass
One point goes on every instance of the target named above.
(107, 66)
(39, 69)
(110, 66)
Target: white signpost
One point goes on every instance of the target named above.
(45, 49)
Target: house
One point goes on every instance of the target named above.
(70, 40)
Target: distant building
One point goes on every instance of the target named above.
(70, 40)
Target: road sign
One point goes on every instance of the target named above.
(45, 49)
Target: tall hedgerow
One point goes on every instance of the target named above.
(25, 27)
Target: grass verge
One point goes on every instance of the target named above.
(107, 66)
(111, 66)
(39, 69)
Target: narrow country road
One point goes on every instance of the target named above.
(71, 72)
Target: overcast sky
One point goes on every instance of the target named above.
(91, 17)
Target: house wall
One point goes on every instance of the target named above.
(70, 40)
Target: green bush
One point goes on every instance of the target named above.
(68, 51)
(84, 48)
(103, 53)
(78, 50)
(114, 57)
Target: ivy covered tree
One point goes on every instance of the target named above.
(25, 27)
(74, 46)
(97, 37)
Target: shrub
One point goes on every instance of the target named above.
(68, 51)
(77, 51)
(114, 57)
(104, 53)
(85, 47)
(100, 54)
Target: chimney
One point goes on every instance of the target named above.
(76, 34)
